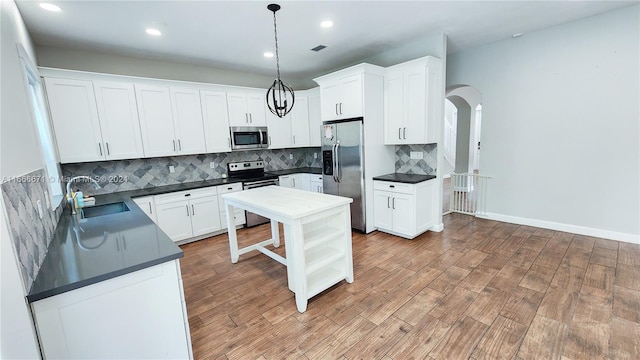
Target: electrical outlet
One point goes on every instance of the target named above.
(212, 165)
(290, 156)
(315, 155)
(172, 169)
(39, 207)
(416, 155)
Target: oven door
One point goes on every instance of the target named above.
(255, 219)
(249, 137)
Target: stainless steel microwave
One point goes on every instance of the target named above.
(249, 137)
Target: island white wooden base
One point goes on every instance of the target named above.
(317, 236)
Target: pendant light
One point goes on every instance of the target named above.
(280, 97)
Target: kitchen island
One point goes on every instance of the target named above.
(317, 236)
(110, 286)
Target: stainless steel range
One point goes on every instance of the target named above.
(252, 175)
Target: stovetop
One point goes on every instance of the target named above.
(248, 171)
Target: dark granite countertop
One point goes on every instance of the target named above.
(405, 178)
(303, 170)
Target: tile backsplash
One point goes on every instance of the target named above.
(123, 175)
(425, 166)
(30, 234)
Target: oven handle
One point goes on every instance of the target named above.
(257, 184)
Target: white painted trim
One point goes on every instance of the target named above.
(437, 227)
(574, 229)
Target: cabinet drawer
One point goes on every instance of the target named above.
(185, 195)
(229, 188)
(394, 187)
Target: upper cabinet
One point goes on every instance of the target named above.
(412, 101)
(216, 121)
(300, 122)
(315, 119)
(93, 121)
(341, 97)
(247, 108)
(171, 120)
(292, 130)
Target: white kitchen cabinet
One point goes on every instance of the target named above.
(171, 120)
(300, 122)
(118, 115)
(216, 121)
(315, 119)
(93, 121)
(187, 214)
(295, 181)
(139, 315)
(187, 120)
(147, 205)
(341, 97)
(315, 183)
(406, 210)
(238, 215)
(413, 101)
(247, 108)
(280, 134)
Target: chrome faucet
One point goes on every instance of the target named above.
(70, 199)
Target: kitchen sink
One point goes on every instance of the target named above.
(101, 210)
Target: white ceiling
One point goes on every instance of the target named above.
(234, 34)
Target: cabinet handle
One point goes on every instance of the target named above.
(250, 118)
(229, 141)
(150, 209)
(174, 145)
(269, 141)
(294, 139)
(404, 133)
(294, 182)
(189, 194)
(392, 186)
(187, 206)
(246, 118)
(179, 145)
(193, 212)
(337, 109)
(108, 152)
(100, 147)
(340, 108)
(399, 133)
(124, 242)
(393, 203)
(388, 205)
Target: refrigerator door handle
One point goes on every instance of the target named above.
(333, 160)
(339, 172)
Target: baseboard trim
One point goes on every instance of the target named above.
(580, 230)
(437, 227)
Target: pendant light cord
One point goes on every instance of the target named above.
(275, 32)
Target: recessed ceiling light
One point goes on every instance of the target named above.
(516, 35)
(268, 54)
(326, 24)
(153, 32)
(50, 7)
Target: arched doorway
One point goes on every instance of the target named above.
(462, 122)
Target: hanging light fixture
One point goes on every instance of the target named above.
(280, 97)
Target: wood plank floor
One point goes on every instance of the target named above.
(479, 290)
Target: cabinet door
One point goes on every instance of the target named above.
(187, 119)
(403, 214)
(237, 104)
(136, 246)
(279, 131)
(315, 120)
(330, 97)
(382, 210)
(286, 181)
(393, 108)
(316, 186)
(175, 219)
(216, 121)
(257, 108)
(350, 97)
(302, 182)
(75, 120)
(119, 123)
(300, 122)
(415, 98)
(156, 120)
(147, 205)
(205, 217)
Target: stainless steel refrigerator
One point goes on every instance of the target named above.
(342, 165)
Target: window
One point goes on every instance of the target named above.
(43, 125)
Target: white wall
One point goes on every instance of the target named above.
(560, 129)
(19, 155)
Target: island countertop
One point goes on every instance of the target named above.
(87, 251)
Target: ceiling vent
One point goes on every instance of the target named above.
(318, 48)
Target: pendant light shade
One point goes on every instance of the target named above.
(280, 96)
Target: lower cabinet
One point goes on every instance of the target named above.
(140, 315)
(186, 214)
(296, 181)
(403, 209)
(238, 214)
(315, 183)
(148, 206)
